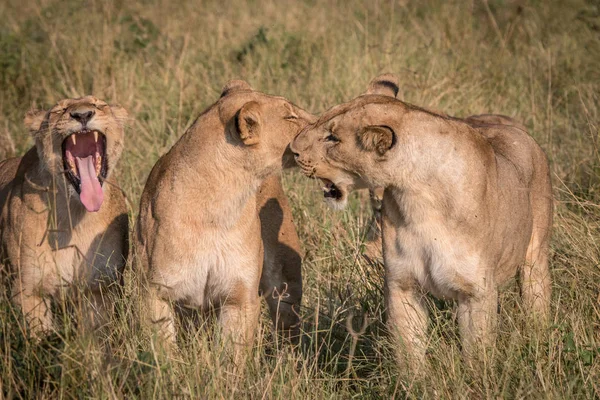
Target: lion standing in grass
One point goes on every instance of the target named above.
(466, 205)
(212, 212)
(62, 223)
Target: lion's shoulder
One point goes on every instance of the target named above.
(12, 171)
(8, 171)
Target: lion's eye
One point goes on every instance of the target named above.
(332, 138)
(291, 117)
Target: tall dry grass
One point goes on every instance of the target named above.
(166, 61)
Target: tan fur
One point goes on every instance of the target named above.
(49, 240)
(466, 205)
(374, 243)
(204, 208)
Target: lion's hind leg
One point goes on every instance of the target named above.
(535, 277)
(535, 273)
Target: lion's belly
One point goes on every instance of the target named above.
(206, 268)
(451, 262)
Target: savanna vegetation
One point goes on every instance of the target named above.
(166, 61)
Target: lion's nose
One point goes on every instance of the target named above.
(83, 116)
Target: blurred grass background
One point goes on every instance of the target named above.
(166, 61)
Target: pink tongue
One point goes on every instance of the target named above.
(91, 192)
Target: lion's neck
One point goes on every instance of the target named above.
(220, 174)
(440, 163)
(222, 182)
(436, 152)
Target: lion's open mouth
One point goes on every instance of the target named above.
(84, 159)
(330, 191)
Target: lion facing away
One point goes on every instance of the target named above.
(199, 227)
(466, 205)
(62, 222)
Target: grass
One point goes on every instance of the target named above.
(166, 61)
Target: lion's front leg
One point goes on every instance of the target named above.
(238, 321)
(477, 317)
(35, 309)
(99, 308)
(32, 288)
(407, 321)
(158, 315)
(407, 315)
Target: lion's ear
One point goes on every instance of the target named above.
(233, 86)
(378, 138)
(34, 119)
(385, 85)
(119, 112)
(248, 123)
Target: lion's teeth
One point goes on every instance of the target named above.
(74, 140)
(95, 136)
(72, 165)
(98, 163)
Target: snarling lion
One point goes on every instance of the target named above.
(63, 221)
(467, 204)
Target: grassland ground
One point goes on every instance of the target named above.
(165, 61)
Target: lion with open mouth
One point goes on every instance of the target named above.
(86, 166)
(467, 205)
(62, 221)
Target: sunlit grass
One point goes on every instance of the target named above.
(538, 62)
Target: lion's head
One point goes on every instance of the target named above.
(82, 138)
(343, 157)
(264, 124)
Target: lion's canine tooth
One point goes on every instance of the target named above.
(74, 140)
(95, 136)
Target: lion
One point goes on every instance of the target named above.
(373, 245)
(204, 208)
(281, 278)
(466, 205)
(63, 220)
